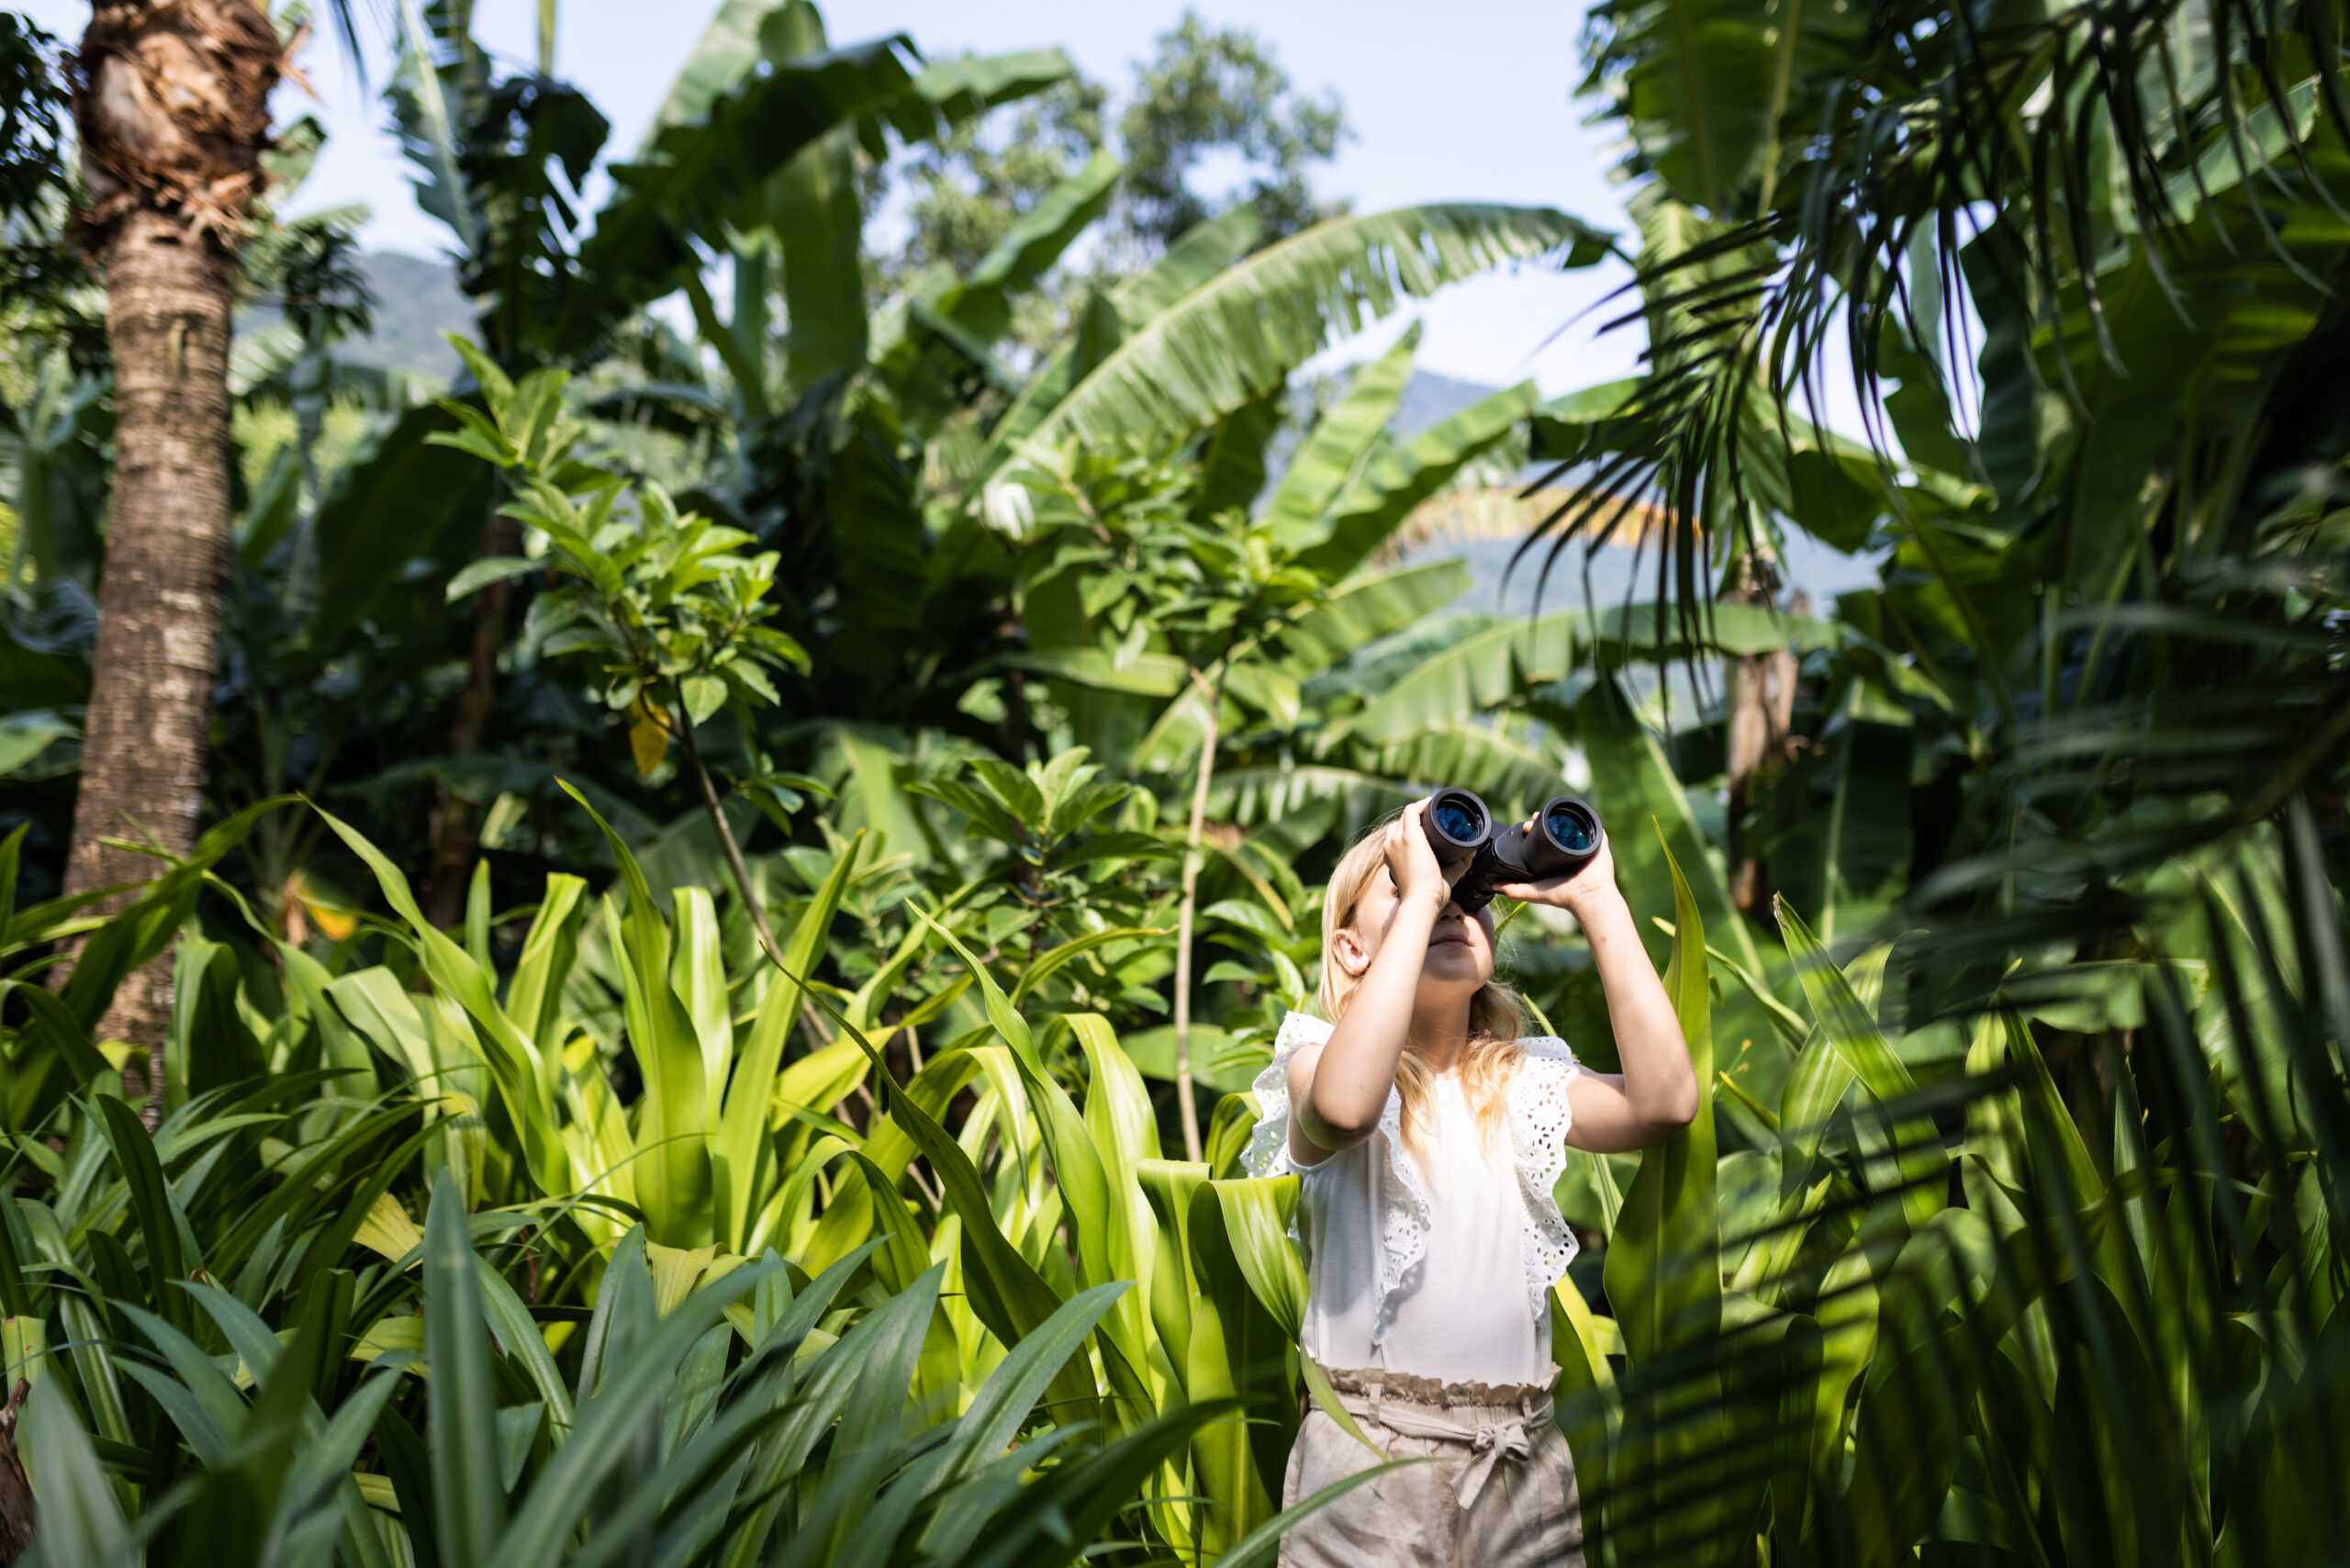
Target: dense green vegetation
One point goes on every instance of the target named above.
(811, 824)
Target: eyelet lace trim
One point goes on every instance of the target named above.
(1539, 1117)
(1269, 1141)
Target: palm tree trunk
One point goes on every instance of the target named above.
(173, 106)
(167, 557)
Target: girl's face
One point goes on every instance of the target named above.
(1461, 949)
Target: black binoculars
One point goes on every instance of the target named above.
(1561, 842)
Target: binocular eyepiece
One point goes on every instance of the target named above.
(1561, 841)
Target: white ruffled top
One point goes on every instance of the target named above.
(1367, 1214)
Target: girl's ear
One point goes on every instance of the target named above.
(1352, 957)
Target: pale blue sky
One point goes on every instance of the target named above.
(1467, 100)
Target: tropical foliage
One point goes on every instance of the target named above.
(764, 1080)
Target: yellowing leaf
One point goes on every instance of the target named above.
(24, 1350)
(648, 737)
(336, 921)
(674, 1270)
(388, 1230)
(390, 1334)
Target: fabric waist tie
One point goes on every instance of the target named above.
(1491, 1432)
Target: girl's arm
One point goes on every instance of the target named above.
(1656, 1094)
(1338, 1088)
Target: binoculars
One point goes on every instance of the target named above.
(1561, 842)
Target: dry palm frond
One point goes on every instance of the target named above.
(172, 103)
(1503, 512)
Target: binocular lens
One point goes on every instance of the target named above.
(1461, 831)
(1572, 828)
(1457, 820)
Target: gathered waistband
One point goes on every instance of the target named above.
(1489, 1420)
(1415, 1389)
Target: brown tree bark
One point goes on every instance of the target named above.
(159, 601)
(1762, 710)
(455, 825)
(16, 1491)
(172, 101)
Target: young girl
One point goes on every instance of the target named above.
(1429, 1134)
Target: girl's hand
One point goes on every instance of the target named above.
(1575, 894)
(1411, 862)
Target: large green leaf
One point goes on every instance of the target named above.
(1232, 462)
(513, 1057)
(1851, 862)
(698, 974)
(1649, 631)
(723, 56)
(1847, 1027)
(1006, 1291)
(694, 176)
(468, 1503)
(743, 1151)
(431, 125)
(81, 1520)
(534, 990)
(210, 1045)
(1361, 611)
(1514, 774)
(1236, 1347)
(1242, 334)
(981, 307)
(1145, 675)
(1379, 499)
(1341, 442)
(871, 797)
(1134, 303)
(1663, 1279)
(1103, 1222)
(1485, 664)
(407, 499)
(1124, 1130)
(1489, 660)
(160, 1219)
(1004, 1401)
(815, 207)
(1699, 98)
(673, 1178)
(878, 542)
(610, 1430)
(950, 326)
(1661, 1276)
(2203, 329)
(1631, 783)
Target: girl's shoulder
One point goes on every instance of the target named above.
(1299, 1029)
(1268, 1153)
(1548, 1054)
(1538, 1093)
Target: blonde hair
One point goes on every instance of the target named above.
(1495, 1018)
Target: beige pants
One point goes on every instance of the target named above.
(1499, 1491)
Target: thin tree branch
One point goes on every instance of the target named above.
(726, 834)
(1186, 1112)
